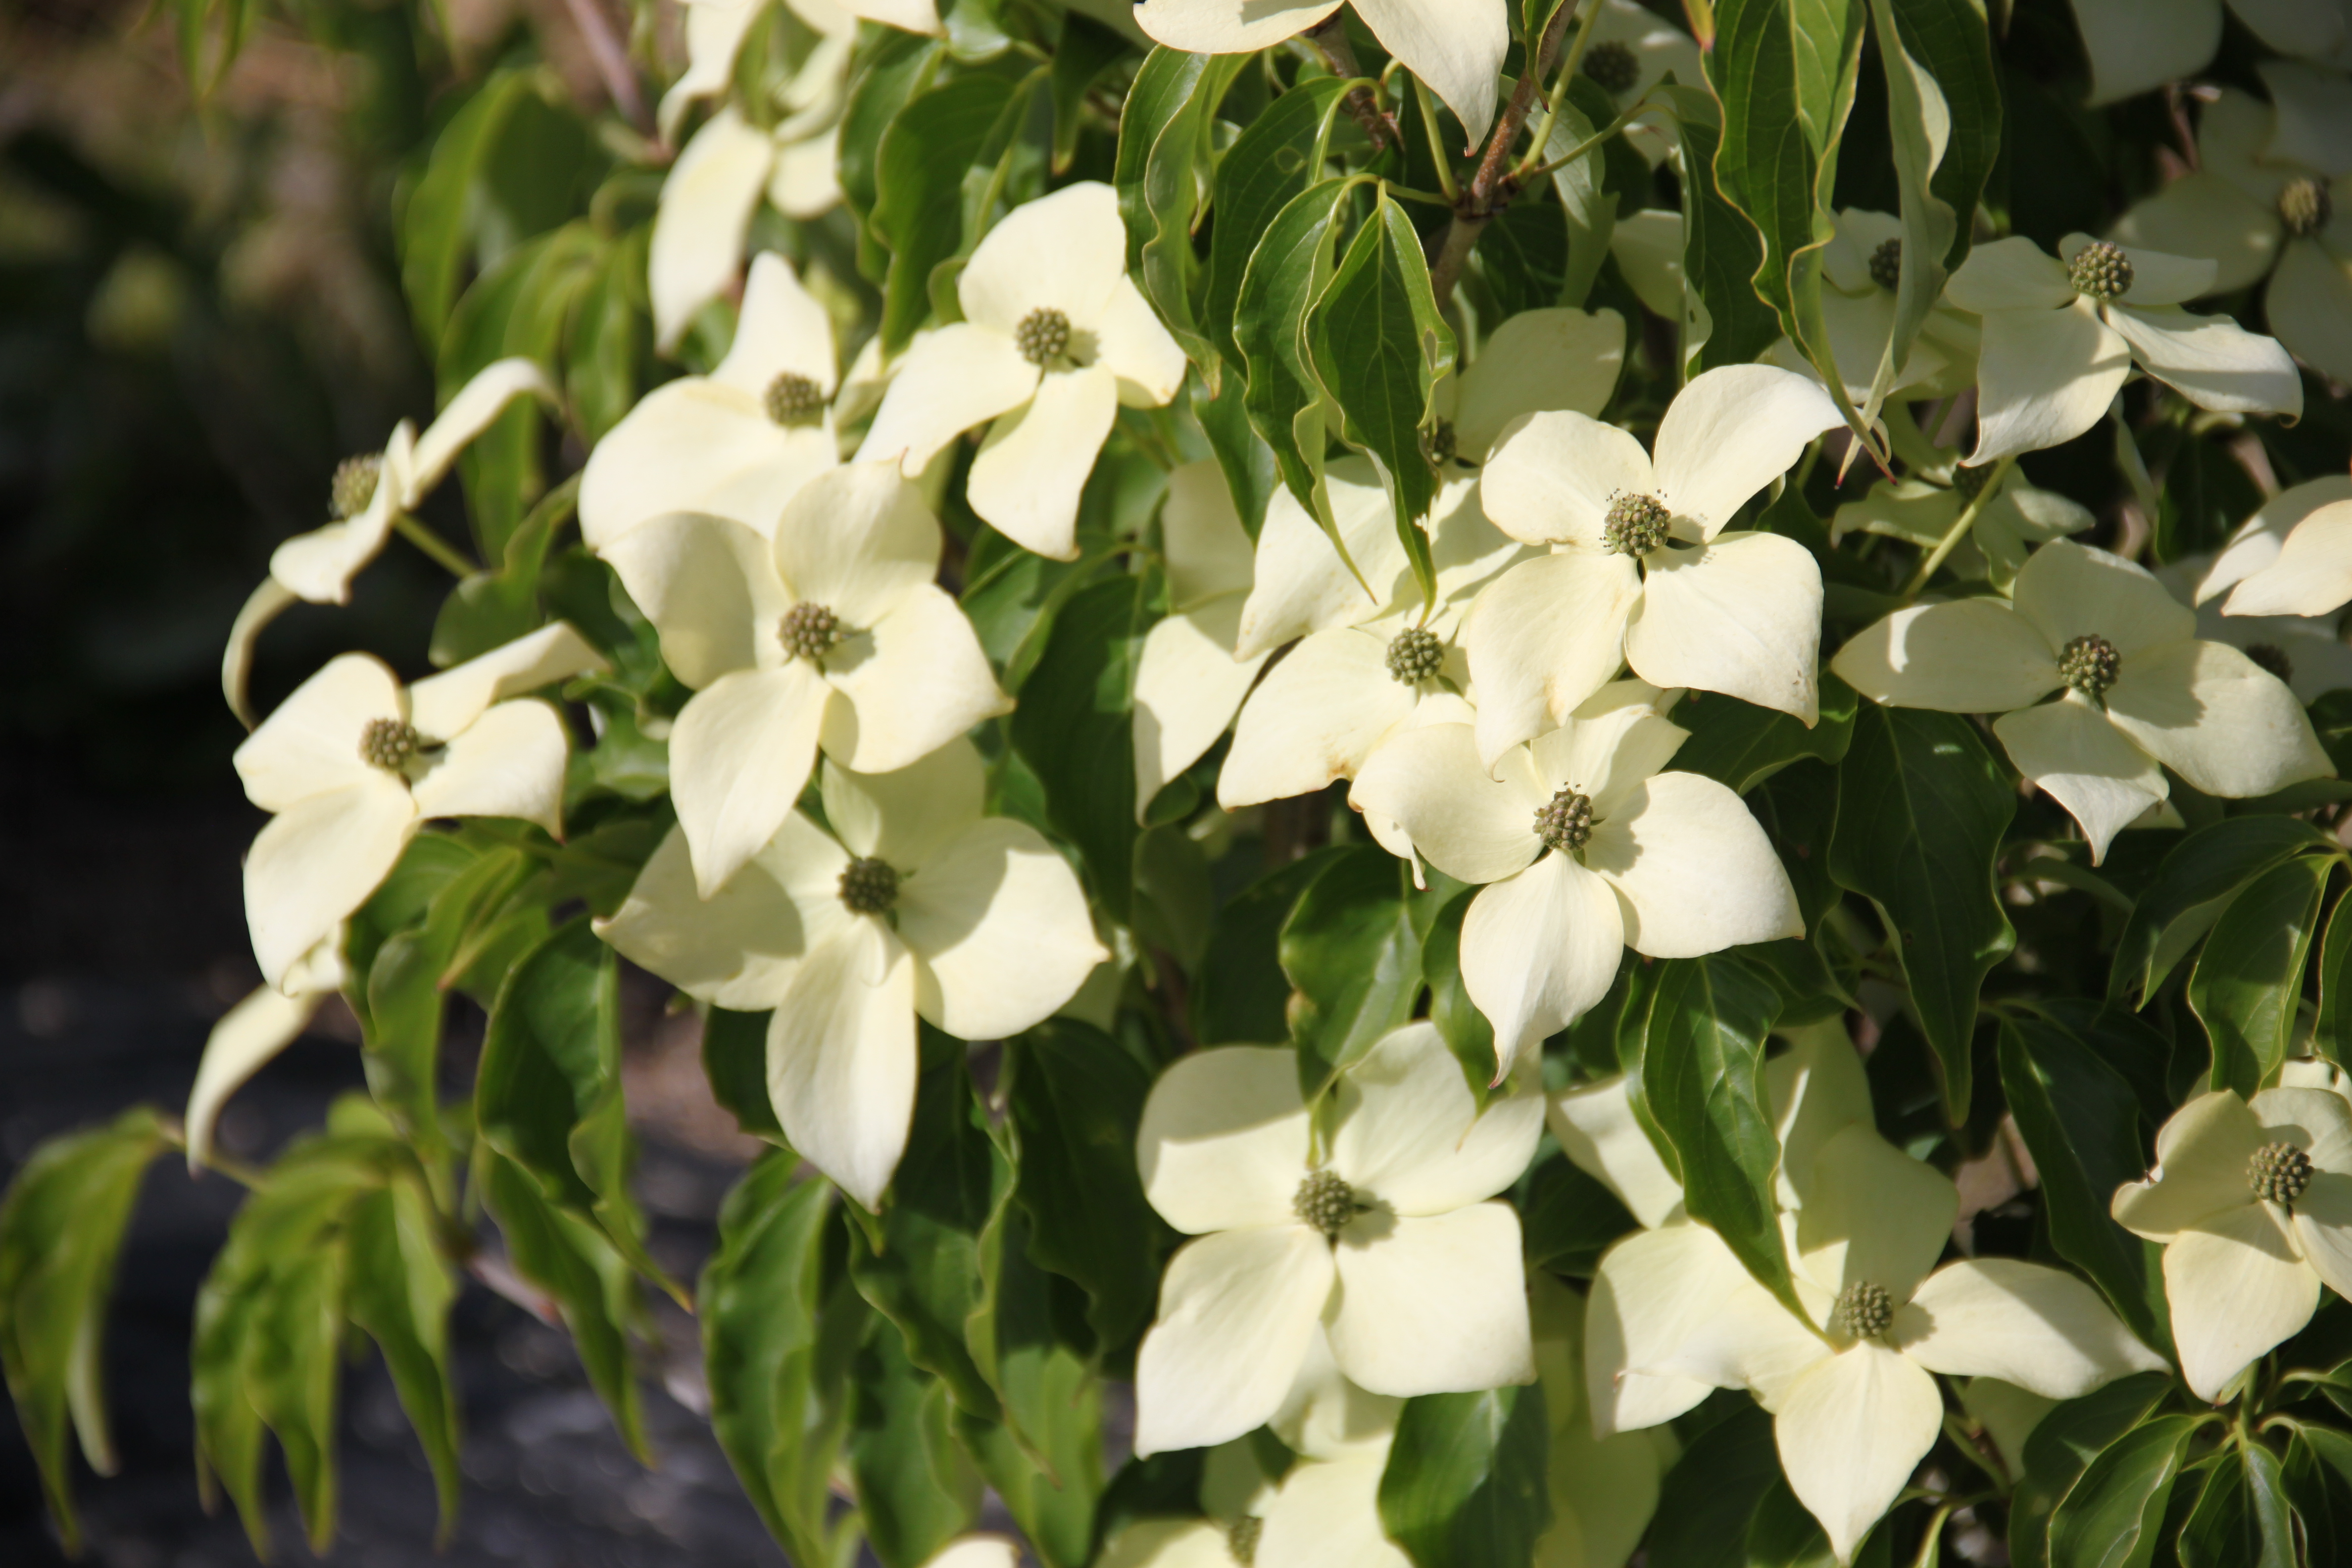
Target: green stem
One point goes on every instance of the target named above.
(443, 553)
(1558, 93)
(1437, 155)
(1958, 532)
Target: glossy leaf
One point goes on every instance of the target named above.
(1287, 273)
(1243, 996)
(2062, 1444)
(1275, 159)
(919, 175)
(1352, 950)
(1465, 1483)
(916, 1490)
(2110, 1516)
(2193, 884)
(1742, 744)
(1072, 728)
(2248, 983)
(1162, 175)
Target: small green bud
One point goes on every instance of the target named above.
(869, 887)
(353, 485)
(1864, 1311)
(2305, 206)
(2269, 655)
(2090, 664)
(388, 743)
(1325, 1202)
(2100, 270)
(809, 631)
(1886, 264)
(1565, 823)
(1042, 336)
(1613, 66)
(1635, 525)
(2280, 1173)
(794, 399)
(1414, 655)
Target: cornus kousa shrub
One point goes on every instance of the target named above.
(1459, 785)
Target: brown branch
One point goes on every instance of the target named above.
(1491, 189)
(611, 62)
(1330, 36)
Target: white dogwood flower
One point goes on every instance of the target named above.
(2253, 1203)
(1920, 510)
(1187, 683)
(715, 31)
(249, 1035)
(1393, 1245)
(2062, 334)
(1603, 1489)
(2133, 45)
(2262, 578)
(1859, 269)
(2257, 218)
(1850, 1384)
(353, 763)
(1634, 49)
(832, 634)
(2307, 652)
(370, 493)
(1641, 571)
(738, 443)
(1055, 337)
(1457, 49)
(915, 905)
(2137, 691)
(1586, 849)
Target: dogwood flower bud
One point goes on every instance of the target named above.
(2100, 270)
(2279, 1172)
(1042, 336)
(1325, 1202)
(1612, 66)
(2090, 664)
(1565, 823)
(1864, 1309)
(794, 399)
(869, 887)
(1886, 264)
(353, 485)
(1415, 654)
(2305, 206)
(809, 631)
(1634, 525)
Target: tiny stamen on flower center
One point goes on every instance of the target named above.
(1635, 525)
(1864, 1311)
(2280, 1173)
(2269, 655)
(353, 485)
(388, 743)
(1042, 336)
(1325, 1202)
(809, 631)
(2305, 206)
(1970, 482)
(1565, 823)
(2100, 270)
(2090, 664)
(1414, 655)
(869, 887)
(1439, 444)
(1886, 264)
(794, 399)
(1613, 66)
(1240, 1539)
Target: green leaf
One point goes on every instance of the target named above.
(1287, 273)
(398, 1289)
(2063, 1443)
(2241, 1520)
(1719, 1484)
(892, 67)
(1074, 1100)
(2248, 983)
(1725, 322)
(1465, 1483)
(779, 1325)
(611, 337)
(1465, 1029)
(1086, 49)
(1073, 728)
(735, 1060)
(293, 1372)
(434, 223)
(1243, 456)
(1922, 807)
(2332, 1036)
(916, 1490)
(1164, 140)
(919, 171)
(2081, 1122)
(1379, 347)
(1701, 1076)
(1277, 157)
(62, 1227)
(1524, 255)
(1567, 1219)
(1241, 996)
(2192, 885)
(1352, 950)
(2113, 1516)
(1742, 744)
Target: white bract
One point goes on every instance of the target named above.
(2061, 336)
(1455, 45)
(1855, 1407)
(250, 1033)
(371, 494)
(2253, 1201)
(919, 907)
(2307, 652)
(1055, 337)
(2137, 691)
(832, 635)
(738, 443)
(2135, 45)
(1641, 571)
(2255, 570)
(2255, 217)
(1603, 1489)
(1587, 849)
(1391, 1245)
(1188, 682)
(1634, 49)
(1859, 273)
(353, 763)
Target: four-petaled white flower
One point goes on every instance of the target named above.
(2060, 336)
(2137, 689)
(1055, 337)
(1604, 1488)
(2307, 652)
(738, 443)
(2257, 216)
(1641, 571)
(1850, 1382)
(370, 493)
(2253, 1201)
(2293, 557)
(2133, 45)
(353, 763)
(832, 634)
(915, 905)
(1187, 683)
(1632, 49)
(1455, 45)
(1393, 1245)
(1859, 269)
(1586, 849)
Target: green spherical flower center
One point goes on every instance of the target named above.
(2280, 1173)
(353, 485)
(1241, 1538)
(1439, 445)
(1970, 482)
(1613, 66)
(1325, 1202)
(794, 399)
(2269, 655)
(2100, 270)
(2305, 206)
(1415, 654)
(1864, 1311)
(2090, 664)
(869, 887)
(1042, 336)
(1635, 524)
(1565, 822)
(388, 743)
(1886, 264)
(810, 631)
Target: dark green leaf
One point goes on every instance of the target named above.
(916, 1490)
(892, 69)
(1275, 157)
(1567, 1219)
(2192, 886)
(1727, 323)
(1465, 1029)
(1352, 950)
(1086, 49)
(1465, 1483)
(1713, 1492)
(735, 1060)
(434, 225)
(399, 1290)
(2248, 983)
(2332, 1036)
(1287, 273)
(2241, 1520)
(2110, 1516)
(919, 172)
(1161, 175)
(2061, 1446)
(1525, 256)
(1073, 728)
(1742, 744)
(1242, 997)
